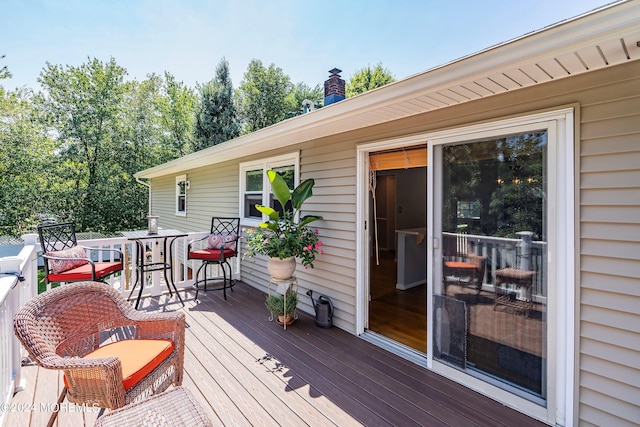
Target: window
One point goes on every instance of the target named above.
(468, 209)
(182, 185)
(255, 187)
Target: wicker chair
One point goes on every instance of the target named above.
(61, 327)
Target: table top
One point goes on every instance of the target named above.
(144, 234)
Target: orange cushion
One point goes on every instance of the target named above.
(84, 272)
(460, 265)
(137, 357)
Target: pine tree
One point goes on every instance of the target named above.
(216, 120)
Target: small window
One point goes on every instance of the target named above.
(253, 193)
(256, 189)
(468, 209)
(182, 185)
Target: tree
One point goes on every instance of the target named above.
(4, 71)
(27, 169)
(176, 108)
(301, 92)
(85, 106)
(262, 96)
(367, 79)
(216, 119)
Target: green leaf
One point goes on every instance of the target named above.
(308, 219)
(270, 225)
(302, 193)
(270, 212)
(279, 187)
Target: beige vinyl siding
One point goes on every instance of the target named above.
(213, 192)
(607, 106)
(332, 165)
(610, 256)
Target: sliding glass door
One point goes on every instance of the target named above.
(490, 296)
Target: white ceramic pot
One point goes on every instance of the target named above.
(281, 269)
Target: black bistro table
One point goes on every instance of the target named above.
(141, 238)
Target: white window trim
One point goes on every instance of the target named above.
(290, 159)
(561, 256)
(179, 179)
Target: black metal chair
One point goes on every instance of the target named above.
(66, 261)
(222, 245)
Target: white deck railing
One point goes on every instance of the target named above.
(183, 269)
(13, 294)
(503, 252)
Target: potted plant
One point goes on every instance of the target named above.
(285, 237)
(283, 306)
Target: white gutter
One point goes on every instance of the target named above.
(139, 181)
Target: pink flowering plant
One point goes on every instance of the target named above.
(283, 236)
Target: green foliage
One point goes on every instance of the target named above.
(284, 236)
(504, 177)
(367, 79)
(216, 119)
(4, 71)
(70, 152)
(301, 92)
(276, 303)
(27, 166)
(176, 105)
(85, 105)
(262, 96)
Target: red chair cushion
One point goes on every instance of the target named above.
(137, 357)
(83, 272)
(61, 265)
(211, 254)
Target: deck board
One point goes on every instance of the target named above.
(245, 370)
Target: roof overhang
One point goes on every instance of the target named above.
(602, 38)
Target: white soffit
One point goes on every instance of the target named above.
(602, 38)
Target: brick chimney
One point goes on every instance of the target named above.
(333, 88)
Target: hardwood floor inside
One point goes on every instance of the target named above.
(502, 342)
(400, 315)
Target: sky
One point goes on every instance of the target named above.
(305, 38)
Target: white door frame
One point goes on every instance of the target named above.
(561, 353)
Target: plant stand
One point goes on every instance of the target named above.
(281, 287)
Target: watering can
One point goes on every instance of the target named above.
(324, 310)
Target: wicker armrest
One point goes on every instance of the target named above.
(98, 380)
(172, 327)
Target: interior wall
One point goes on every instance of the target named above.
(411, 198)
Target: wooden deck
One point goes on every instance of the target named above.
(245, 370)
